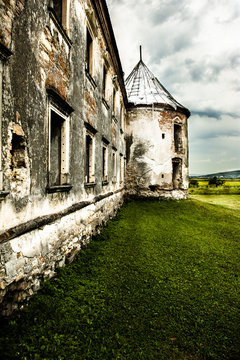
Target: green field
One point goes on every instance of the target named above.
(161, 281)
(229, 186)
(228, 201)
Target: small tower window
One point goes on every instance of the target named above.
(163, 136)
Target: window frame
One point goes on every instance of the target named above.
(89, 178)
(64, 174)
(89, 52)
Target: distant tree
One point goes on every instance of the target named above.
(193, 183)
(215, 181)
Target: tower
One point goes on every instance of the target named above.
(157, 138)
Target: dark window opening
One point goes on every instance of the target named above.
(163, 136)
(114, 167)
(177, 173)
(104, 81)
(89, 154)
(177, 138)
(57, 7)
(89, 53)
(162, 176)
(18, 152)
(104, 163)
(114, 101)
(56, 145)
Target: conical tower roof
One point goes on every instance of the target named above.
(144, 88)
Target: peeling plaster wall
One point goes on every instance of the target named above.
(151, 150)
(45, 57)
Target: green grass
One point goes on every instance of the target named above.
(228, 201)
(162, 281)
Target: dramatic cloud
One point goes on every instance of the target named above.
(192, 47)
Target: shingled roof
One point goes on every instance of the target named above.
(143, 88)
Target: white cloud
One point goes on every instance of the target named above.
(192, 47)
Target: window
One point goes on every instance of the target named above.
(177, 138)
(121, 168)
(104, 88)
(114, 177)
(163, 136)
(114, 102)
(122, 117)
(61, 9)
(58, 148)
(1, 172)
(89, 53)
(89, 159)
(177, 173)
(104, 164)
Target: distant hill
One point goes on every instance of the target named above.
(225, 174)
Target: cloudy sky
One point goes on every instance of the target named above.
(193, 48)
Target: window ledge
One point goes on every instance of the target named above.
(114, 118)
(91, 79)
(89, 185)
(3, 194)
(59, 188)
(105, 103)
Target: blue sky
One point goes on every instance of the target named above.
(193, 48)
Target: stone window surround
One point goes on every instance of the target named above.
(60, 107)
(5, 53)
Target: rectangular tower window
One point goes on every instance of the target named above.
(89, 53)
(177, 137)
(163, 136)
(58, 149)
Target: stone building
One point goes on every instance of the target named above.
(67, 130)
(157, 137)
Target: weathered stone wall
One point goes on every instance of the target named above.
(47, 60)
(151, 150)
(27, 259)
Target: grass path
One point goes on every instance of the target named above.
(162, 281)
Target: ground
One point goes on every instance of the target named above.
(161, 281)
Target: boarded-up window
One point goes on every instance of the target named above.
(89, 53)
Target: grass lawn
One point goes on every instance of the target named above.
(228, 201)
(162, 281)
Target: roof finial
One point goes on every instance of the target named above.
(140, 52)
